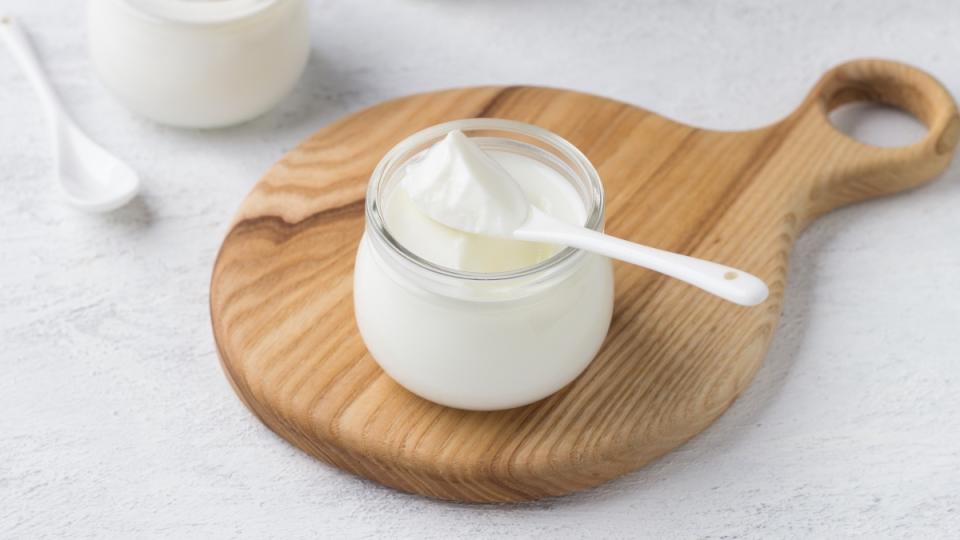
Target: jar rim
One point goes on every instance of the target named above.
(564, 258)
(193, 13)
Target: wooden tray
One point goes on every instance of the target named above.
(675, 358)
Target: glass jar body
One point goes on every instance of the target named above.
(199, 71)
(477, 354)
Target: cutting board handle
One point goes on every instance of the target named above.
(852, 170)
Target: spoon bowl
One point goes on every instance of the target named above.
(91, 178)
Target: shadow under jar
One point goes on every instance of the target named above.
(475, 340)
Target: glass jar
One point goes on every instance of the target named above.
(483, 341)
(197, 63)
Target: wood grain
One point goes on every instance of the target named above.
(675, 357)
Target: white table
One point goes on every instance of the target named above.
(115, 419)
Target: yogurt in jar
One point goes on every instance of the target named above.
(456, 177)
(472, 321)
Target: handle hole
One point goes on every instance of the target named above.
(730, 276)
(877, 124)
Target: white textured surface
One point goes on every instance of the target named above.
(115, 420)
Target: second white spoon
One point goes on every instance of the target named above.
(89, 177)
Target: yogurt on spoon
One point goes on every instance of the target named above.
(459, 185)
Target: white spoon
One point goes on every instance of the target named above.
(728, 283)
(89, 177)
(457, 184)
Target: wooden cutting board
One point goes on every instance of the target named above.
(675, 358)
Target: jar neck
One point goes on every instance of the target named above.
(198, 12)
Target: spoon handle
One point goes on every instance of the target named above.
(728, 283)
(23, 53)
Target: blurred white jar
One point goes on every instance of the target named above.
(199, 63)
